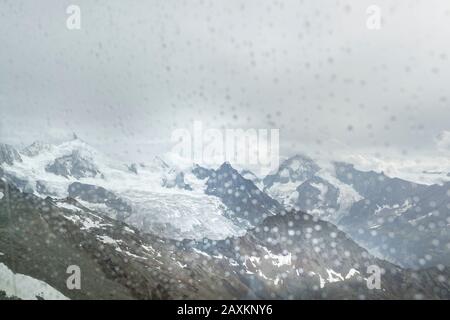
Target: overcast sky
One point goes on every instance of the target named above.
(139, 69)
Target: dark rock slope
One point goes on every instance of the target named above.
(289, 255)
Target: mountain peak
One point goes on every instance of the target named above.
(226, 166)
(78, 163)
(36, 148)
(77, 146)
(299, 160)
(294, 169)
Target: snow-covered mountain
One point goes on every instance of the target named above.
(249, 175)
(290, 255)
(301, 183)
(36, 148)
(245, 202)
(218, 232)
(388, 215)
(291, 173)
(155, 196)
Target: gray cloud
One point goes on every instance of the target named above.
(139, 69)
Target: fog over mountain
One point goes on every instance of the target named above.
(136, 71)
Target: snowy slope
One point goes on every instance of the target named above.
(399, 220)
(300, 173)
(25, 287)
(289, 255)
(152, 190)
